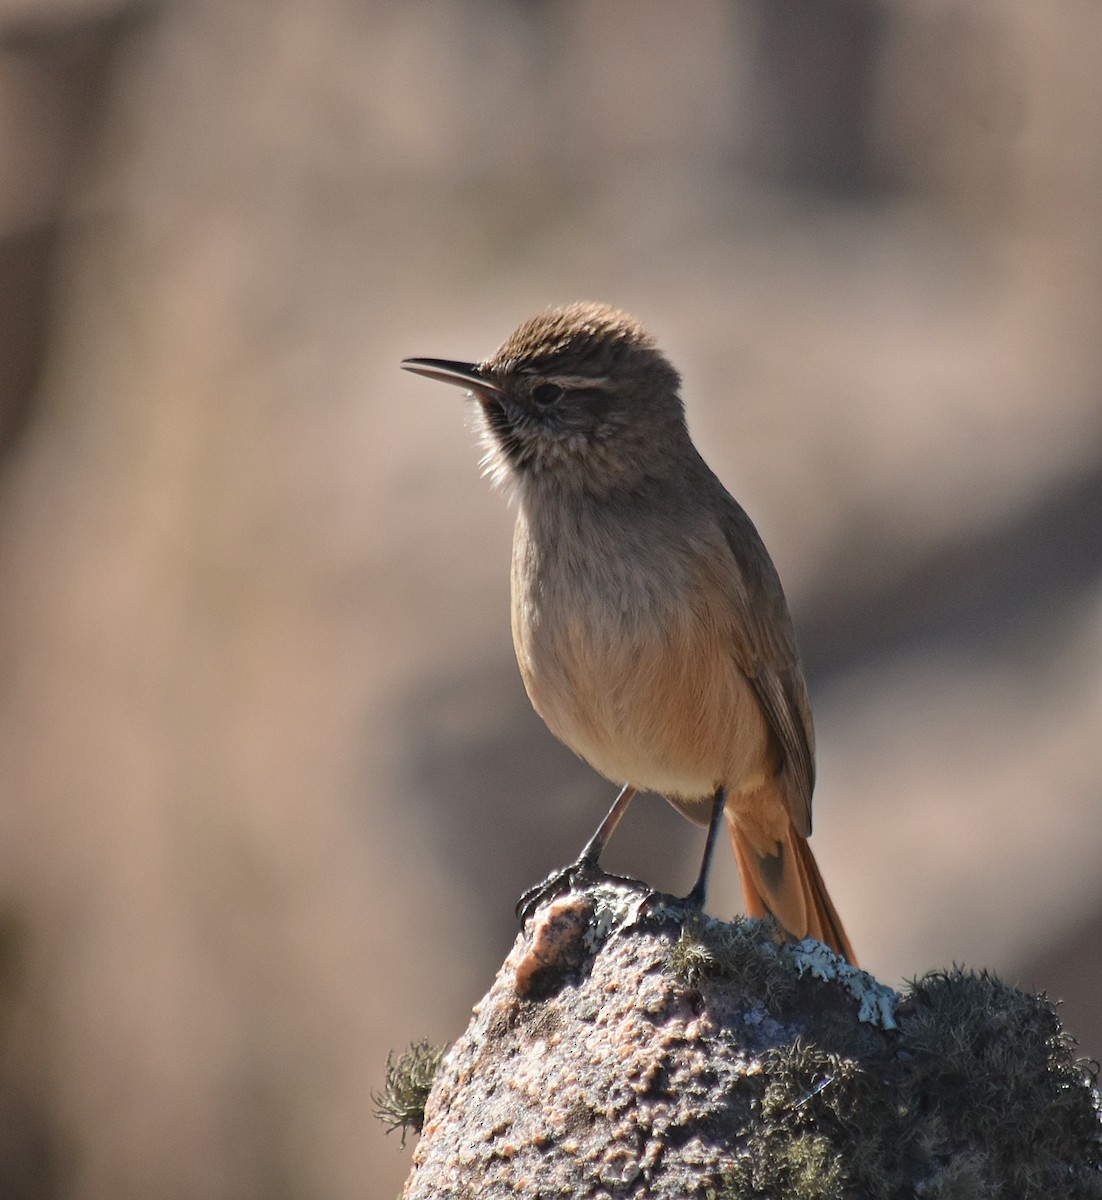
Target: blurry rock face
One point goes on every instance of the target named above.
(270, 781)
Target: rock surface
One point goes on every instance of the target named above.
(628, 1047)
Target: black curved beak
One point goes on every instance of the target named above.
(464, 375)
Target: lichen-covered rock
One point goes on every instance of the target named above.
(631, 1048)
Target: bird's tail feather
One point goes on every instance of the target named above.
(787, 885)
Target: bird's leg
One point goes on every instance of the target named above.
(696, 896)
(586, 867)
(590, 856)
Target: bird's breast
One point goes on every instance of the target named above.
(624, 633)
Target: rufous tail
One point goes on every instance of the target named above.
(788, 887)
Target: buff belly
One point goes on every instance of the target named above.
(658, 703)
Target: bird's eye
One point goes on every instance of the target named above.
(546, 393)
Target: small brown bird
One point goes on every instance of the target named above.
(648, 619)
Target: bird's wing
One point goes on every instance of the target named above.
(767, 655)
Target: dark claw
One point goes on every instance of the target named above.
(567, 879)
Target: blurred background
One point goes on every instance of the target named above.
(269, 784)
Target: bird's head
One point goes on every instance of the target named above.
(577, 395)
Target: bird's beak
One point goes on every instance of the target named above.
(464, 375)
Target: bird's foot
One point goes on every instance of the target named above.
(576, 875)
(695, 898)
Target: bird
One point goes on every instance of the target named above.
(649, 622)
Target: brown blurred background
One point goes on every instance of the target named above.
(270, 784)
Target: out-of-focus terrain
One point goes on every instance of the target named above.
(270, 784)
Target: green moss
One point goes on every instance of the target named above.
(979, 1097)
(409, 1079)
(995, 1069)
(741, 951)
(807, 1082)
(803, 1141)
(803, 1167)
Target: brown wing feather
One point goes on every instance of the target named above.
(768, 657)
